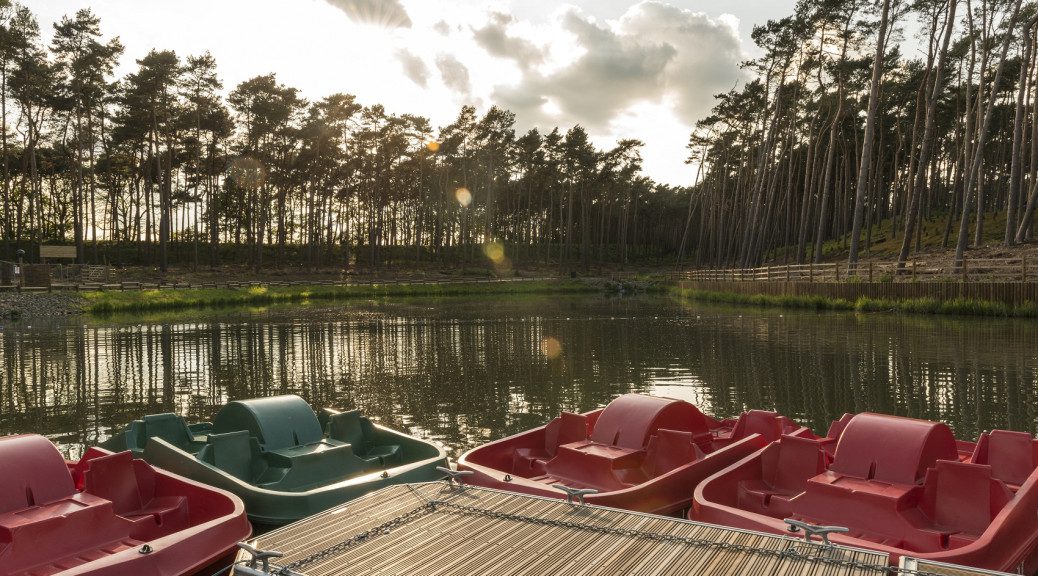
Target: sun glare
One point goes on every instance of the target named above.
(463, 196)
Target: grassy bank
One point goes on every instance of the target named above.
(103, 303)
(960, 306)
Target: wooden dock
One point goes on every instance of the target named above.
(434, 529)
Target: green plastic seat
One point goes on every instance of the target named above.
(350, 428)
(172, 429)
(231, 452)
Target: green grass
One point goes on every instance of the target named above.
(111, 302)
(955, 306)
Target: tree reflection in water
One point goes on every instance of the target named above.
(465, 371)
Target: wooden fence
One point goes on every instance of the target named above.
(1009, 293)
(969, 270)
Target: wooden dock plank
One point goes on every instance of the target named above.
(476, 531)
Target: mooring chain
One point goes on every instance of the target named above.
(788, 552)
(371, 533)
(432, 506)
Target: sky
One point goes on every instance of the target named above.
(620, 68)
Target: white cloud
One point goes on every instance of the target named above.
(454, 74)
(385, 13)
(494, 37)
(414, 67)
(655, 51)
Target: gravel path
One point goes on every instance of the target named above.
(30, 304)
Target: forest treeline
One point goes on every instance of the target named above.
(873, 115)
(858, 117)
(164, 163)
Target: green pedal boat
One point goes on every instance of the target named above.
(282, 459)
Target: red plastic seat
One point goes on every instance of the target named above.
(762, 422)
(565, 429)
(114, 478)
(1013, 456)
(785, 469)
(960, 497)
(669, 449)
(568, 428)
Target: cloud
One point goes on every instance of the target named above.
(494, 38)
(454, 74)
(708, 51)
(414, 67)
(654, 53)
(384, 13)
(442, 27)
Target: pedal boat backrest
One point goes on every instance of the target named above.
(892, 449)
(34, 473)
(277, 422)
(630, 420)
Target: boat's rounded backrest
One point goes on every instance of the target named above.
(34, 473)
(891, 448)
(277, 422)
(631, 419)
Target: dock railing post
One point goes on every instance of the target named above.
(1023, 269)
(870, 270)
(811, 272)
(836, 268)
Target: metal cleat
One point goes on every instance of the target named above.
(811, 530)
(455, 476)
(261, 556)
(579, 493)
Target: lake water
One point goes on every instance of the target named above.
(462, 371)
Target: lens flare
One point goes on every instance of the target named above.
(551, 348)
(432, 146)
(247, 172)
(495, 251)
(463, 196)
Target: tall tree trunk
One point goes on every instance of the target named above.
(985, 128)
(861, 189)
(924, 146)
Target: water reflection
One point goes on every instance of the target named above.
(464, 371)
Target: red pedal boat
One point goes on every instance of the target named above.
(640, 453)
(107, 514)
(898, 485)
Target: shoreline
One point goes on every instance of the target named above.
(17, 305)
(100, 304)
(920, 306)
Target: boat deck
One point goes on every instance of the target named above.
(434, 529)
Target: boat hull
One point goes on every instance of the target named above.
(270, 508)
(640, 453)
(281, 458)
(903, 487)
(101, 529)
